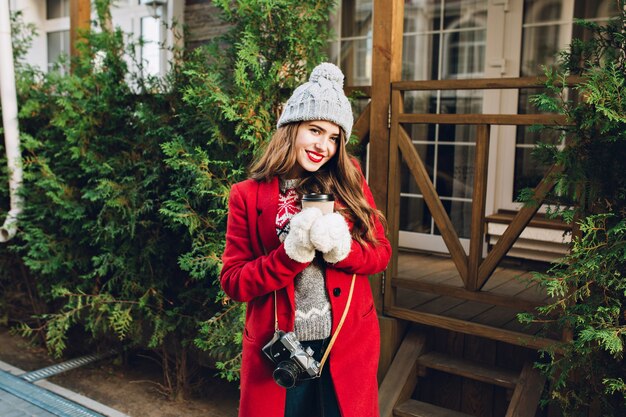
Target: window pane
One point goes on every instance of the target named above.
(595, 9)
(57, 8)
(351, 44)
(407, 182)
(414, 215)
(460, 37)
(464, 54)
(420, 53)
(461, 102)
(528, 173)
(422, 16)
(58, 45)
(455, 171)
(356, 18)
(460, 213)
(465, 14)
(420, 102)
(356, 61)
(536, 11)
(540, 45)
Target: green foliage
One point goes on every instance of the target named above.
(588, 285)
(102, 258)
(127, 181)
(590, 288)
(230, 103)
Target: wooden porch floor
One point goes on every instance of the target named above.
(430, 283)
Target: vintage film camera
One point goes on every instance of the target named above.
(291, 359)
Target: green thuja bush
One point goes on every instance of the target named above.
(588, 285)
(231, 100)
(101, 258)
(127, 180)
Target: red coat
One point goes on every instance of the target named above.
(250, 276)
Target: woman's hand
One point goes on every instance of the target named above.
(330, 235)
(298, 243)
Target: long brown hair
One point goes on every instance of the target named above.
(340, 176)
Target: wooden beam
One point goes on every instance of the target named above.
(467, 327)
(527, 393)
(393, 195)
(386, 68)
(479, 199)
(490, 119)
(362, 125)
(519, 222)
(480, 84)
(437, 211)
(401, 379)
(515, 303)
(80, 19)
(364, 91)
(469, 369)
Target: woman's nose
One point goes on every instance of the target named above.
(322, 143)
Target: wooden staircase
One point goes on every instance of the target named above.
(413, 359)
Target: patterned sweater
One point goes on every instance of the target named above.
(313, 315)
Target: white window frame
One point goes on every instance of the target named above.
(503, 144)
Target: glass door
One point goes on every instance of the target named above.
(443, 39)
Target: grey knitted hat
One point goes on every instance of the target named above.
(321, 98)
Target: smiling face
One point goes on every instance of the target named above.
(316, 143)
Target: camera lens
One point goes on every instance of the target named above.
(286, 374)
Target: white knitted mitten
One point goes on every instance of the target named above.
(331, 236)
(298, 243)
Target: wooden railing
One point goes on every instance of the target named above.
(472, 268)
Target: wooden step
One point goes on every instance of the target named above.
(527, 393)
(413, 408)
(467, 327)
(537, 221)
(469, 369)
(401, 378)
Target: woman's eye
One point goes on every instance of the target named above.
(316, 131)
(335, 139)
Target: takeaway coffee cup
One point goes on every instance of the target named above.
(324, 202)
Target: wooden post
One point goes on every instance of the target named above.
(80, 19)
(388, 16)
(479, 198)
(386, 68)
(393, 196)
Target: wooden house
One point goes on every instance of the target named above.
(445, 112)
(447, 125)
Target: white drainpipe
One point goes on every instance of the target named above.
(8, 99)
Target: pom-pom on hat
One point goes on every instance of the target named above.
(321, 98)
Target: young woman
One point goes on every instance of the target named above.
(295, 268)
